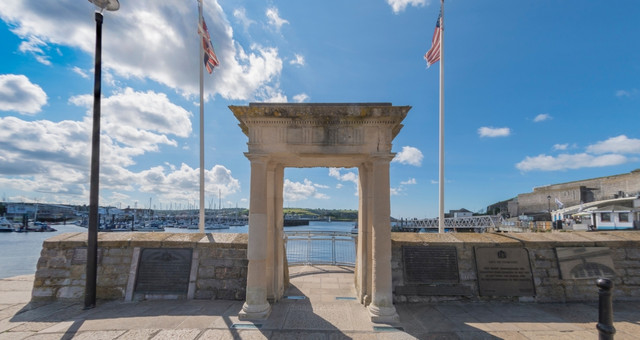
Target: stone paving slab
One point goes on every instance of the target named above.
(318, 315)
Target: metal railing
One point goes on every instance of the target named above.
(313, 247)
(476, 223)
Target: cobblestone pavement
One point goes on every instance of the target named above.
(319, 304)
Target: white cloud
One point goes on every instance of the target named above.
(409, 181)
(241, 15)
(19, 94)
(569, 161)
(140, 119)
(494, 132)
(80, 72)
(33, 46)
(409, 155)
(399, 5)
(402, 187)
(52, 158)
(347, 177)
(183, 183)
(133, 40)
(619, 144)
(296, 191)
(300, 98)
(274, 18)
(627, 93)
(542, 117)
(560, 146)
(298, 60)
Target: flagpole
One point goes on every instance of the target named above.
(200, 58)
(441, 149)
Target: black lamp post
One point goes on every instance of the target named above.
(92, 244)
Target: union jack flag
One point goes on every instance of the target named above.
(433, 54)
(210, 58)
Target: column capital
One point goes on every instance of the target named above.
(381, 157)
(257, 157)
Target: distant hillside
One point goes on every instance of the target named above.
(335, 214)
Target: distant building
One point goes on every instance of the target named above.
(551, 197)
(44, 212)
(459, 213)
(613, 217)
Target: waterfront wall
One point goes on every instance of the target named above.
(622, 247)
(218, 265)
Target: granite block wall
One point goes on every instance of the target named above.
(623, 248)
(220, 263)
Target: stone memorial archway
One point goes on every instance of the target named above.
(319, 135)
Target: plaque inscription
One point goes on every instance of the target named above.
(164, 271)
(504, 272)
(429, 265)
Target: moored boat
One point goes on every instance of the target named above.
(5, 225)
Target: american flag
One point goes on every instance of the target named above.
(210, 58)
(433, 54)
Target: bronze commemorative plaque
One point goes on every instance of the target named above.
(504, 272)
(430, 265)
(163, 271)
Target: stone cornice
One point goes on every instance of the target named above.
(321, 114)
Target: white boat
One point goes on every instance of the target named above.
(210, 226)
(5, 225)
(148, 228)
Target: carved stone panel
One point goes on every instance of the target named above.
(585, 262)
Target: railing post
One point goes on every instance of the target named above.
(308, 248)
(333, 250)
(605, 310)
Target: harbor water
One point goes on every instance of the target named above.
(19, 252)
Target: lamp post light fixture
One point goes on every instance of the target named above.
(92, 244)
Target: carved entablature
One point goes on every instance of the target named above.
(320, 128)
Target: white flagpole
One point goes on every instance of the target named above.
(201, 62)
(441, 151)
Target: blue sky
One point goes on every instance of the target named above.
(536, 92)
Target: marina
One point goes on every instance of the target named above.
(20, 251)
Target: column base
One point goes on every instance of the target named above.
(254, 312)
(383, 314)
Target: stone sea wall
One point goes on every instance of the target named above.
(528, 267)
(563, 266)
(218, 266)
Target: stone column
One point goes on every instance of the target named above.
(281, 273)
(275, 242)
(363, 250)
(269, 240)
(381, 308)
(256, 305)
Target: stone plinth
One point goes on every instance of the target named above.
(622, 246)
(220, 267)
